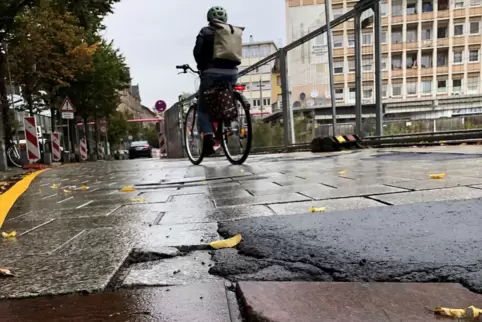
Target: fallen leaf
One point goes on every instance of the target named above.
(128, 189)
(463, 144)
(342, 172)
(40, 190)
(226, 243)
(3, 183)
(471, 312)
(84, 188)
(203, 182)
(67, 191)
(55, 186)
(6, 272)
(437, 175)
(141, 199)
(317, 209)
(9, 235)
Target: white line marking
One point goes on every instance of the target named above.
(111, 212)
(94, 189)
(36, 227)
(44, 184)
(85, 181)
(49, 196)
(65, 199)
(23, 215)
(85, 204)
(68, 241)
(111, 184)
(65, 179)
(112, 192)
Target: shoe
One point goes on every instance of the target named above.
(208, 146)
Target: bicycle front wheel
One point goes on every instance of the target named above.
(14, 157)
(193, 137)
(237, 134)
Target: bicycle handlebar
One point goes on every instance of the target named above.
(185, 68)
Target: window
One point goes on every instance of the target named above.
(411, 7)
(266, 101)
(442, 86)
(351, 65)
(427, 60)
(278, 80)
(426, 87)
(384, 9)
(366, 38)
(246, 52)
(397, 90)
(456, 85)
(473, 85)
(352, 93)
(264, 50)
(474, 55)
(458, 29)
(459, 4)
(263, 69)
(367, 65)
(475, 3)
(411, 60)
(427, 6)
(338, 67)
(339, 94)
(337, 12)
(426, 33)
(384, 90)
(396, 62)
(337, 41)
(367, 92)
(397, 9)
(351, 40)
(458, 57)
(442, 59)
(383, 37)
(411, 35)
(256, 103)
(397, 36)
(441, 32)
(443, 5)
(384, 63)
(254, 52)
(474, 27)
(411, 88)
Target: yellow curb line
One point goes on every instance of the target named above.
(8, 198)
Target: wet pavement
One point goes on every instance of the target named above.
(98, 239)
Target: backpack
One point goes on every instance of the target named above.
(228, 41)
(220, 100)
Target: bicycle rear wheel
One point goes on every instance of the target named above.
(237, 135)
(14, 158)
(193, 137)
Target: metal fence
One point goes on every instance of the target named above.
(377, 68)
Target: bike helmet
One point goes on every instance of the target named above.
(217, 13)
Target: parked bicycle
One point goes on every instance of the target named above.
(235, 136)
(13, 154)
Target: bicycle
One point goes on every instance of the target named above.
(13, 154)
(235, 137)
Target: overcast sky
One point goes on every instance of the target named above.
(157, 35)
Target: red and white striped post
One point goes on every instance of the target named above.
(100, 150)
(83, 149)
(162, 144)
(56, 153)
(33, 149)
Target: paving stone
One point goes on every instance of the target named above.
(191, 235)
(459, 193)
(357, 191)
(329, 205)
(181, 270)
(260, 200)
(317, 302)
(290, 188)
(427, 184)
(193, 215)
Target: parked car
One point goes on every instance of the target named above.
(140, 149)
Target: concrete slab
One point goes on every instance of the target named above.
(192, 303)
(351, 191)
(318, 302)
(329, 205)
(447, 182)
(261, 200)
(180, 270)
(459, 193)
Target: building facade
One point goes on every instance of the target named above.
(430, 49)
(260, 84)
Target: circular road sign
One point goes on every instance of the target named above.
(103, 129)
(130, 137)
(161, 106)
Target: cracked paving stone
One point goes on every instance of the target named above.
(181, 270)
(189, 235)
(458, 193)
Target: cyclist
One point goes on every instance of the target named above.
(212, 71)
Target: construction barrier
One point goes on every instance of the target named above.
(335, 143)
(156, 153)
(100, 150)
(31, 136)
(162, 144)
(83, 149)
(55, 143)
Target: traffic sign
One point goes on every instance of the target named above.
(67, 109)
(103, 129)
(161, 106)
(130, 137)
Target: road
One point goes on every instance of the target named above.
(384, 220)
